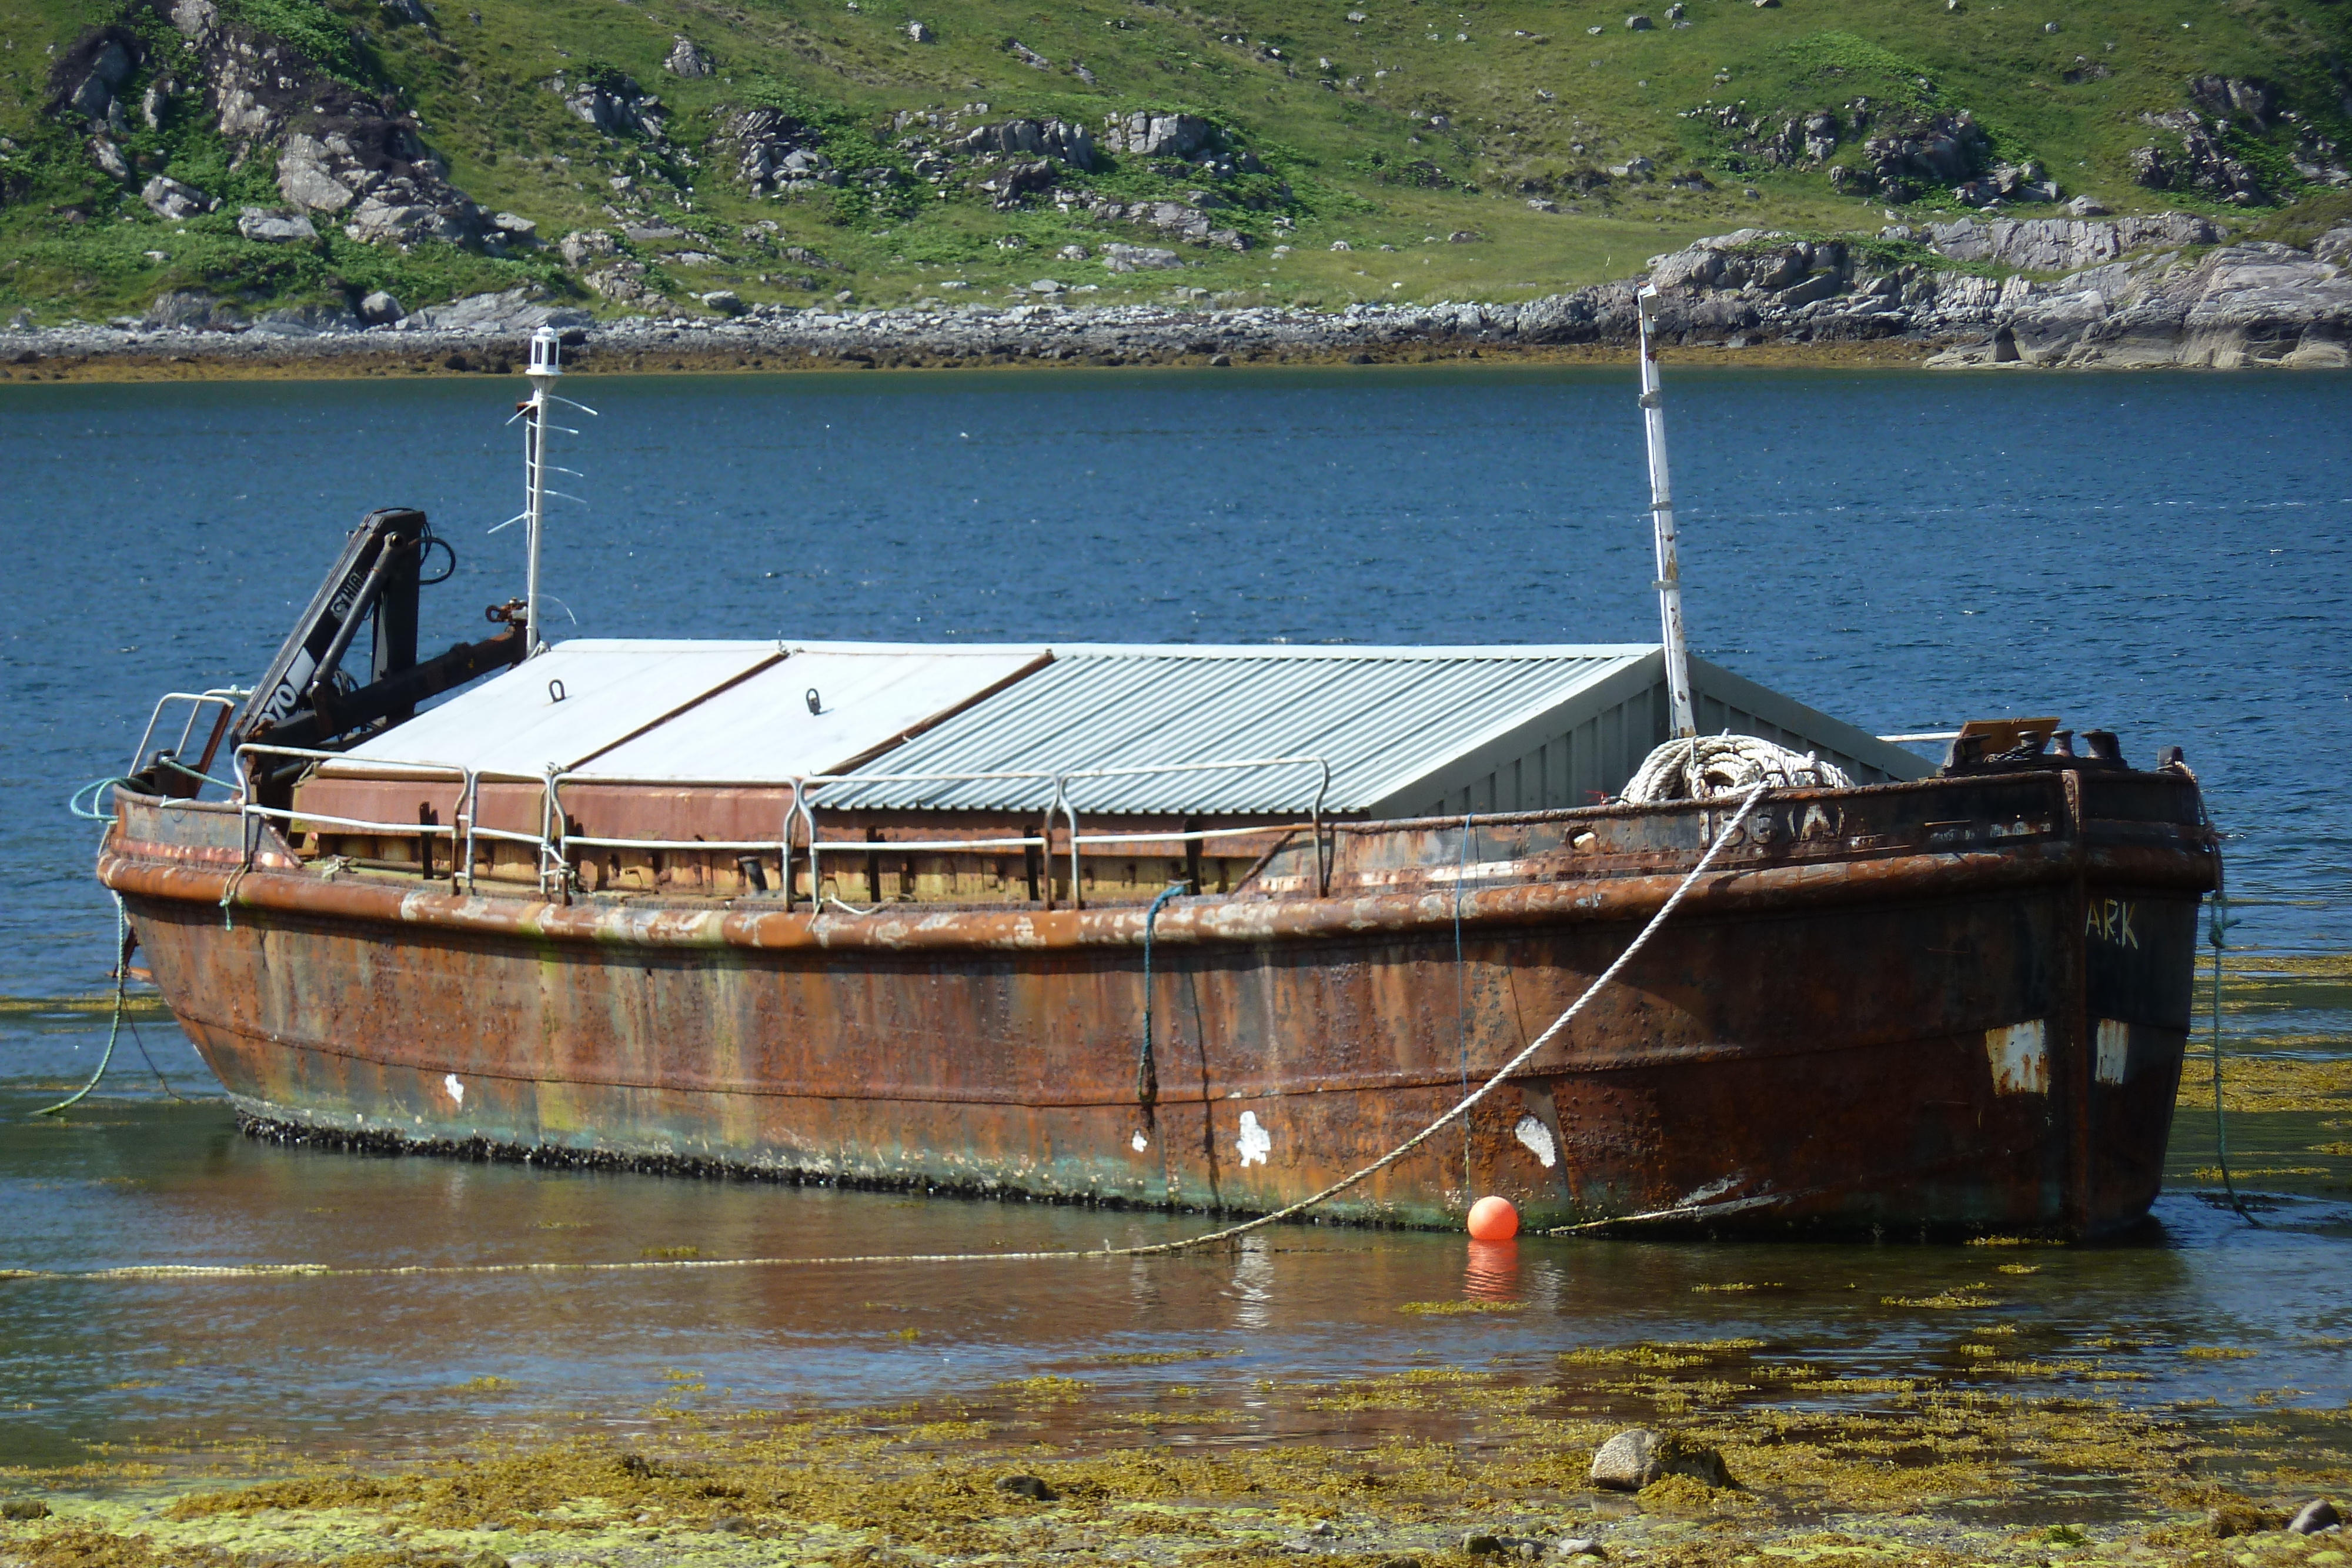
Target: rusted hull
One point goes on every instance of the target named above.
(1984, 1035)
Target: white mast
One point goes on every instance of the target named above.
(545, 366)
(1661, 517)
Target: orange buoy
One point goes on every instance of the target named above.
(1494, 1220)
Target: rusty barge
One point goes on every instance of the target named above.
(1200, 927)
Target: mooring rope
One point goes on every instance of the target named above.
(1152, 1250)
(1461, 994)
(114, 1030)
(1147, 1070)
(2216, 928)
(90, 813)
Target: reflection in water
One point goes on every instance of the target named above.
(1492, 1272)
(388, 1364)
(1254, 1283)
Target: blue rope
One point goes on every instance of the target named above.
(1146, 1072)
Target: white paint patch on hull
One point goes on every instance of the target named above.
(1537, 1139)
(2020, 1058)
(2115, 1050)
(1255, 1142)
(457, 1089)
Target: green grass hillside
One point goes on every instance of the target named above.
(1325, 108)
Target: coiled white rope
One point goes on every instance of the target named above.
(1154, 1249)
(1706, 766)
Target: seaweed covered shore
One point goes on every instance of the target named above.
(1432, 1466)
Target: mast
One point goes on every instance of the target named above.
(1669, 583)
(545, 366)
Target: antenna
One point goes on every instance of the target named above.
(546, 364)
(1662, 518)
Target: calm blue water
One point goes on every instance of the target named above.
(2164, 556)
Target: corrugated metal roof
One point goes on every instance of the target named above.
(611, 688)
(764, 729)
(1380, 717)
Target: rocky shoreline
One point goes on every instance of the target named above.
(2131, 293)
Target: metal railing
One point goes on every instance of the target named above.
(554, 841)
(463, 830)
(1060, 804)
(224, 698)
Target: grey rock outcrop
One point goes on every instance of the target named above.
(380, 309)
(1894, 156)
(1181, 220)
(1061, 139)
(508, 314)
(773, 153)
(2060, 244)
(334, 148)
(2126, 296)
(688, 59)
(2223, 97)
(2195, 159)
(192, 310)
(169, 198)
(275, 228)
(110, 159)
(306, 321)
(84, 81)
(578, 246)
(1147, 135)
(615, 105)
(1118, 258)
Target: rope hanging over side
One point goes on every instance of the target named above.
(1732, 822)
(2216, 929)
(114, 1030)
(1147, 1070)
(1461, 988)
(1706, 766)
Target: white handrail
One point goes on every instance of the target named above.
(220, 696)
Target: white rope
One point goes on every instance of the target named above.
(1502, 1072)
(1155, 1250)
(1704, 766)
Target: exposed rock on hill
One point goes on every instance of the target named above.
(2130, 299)
(1896, 153)
(615, 104)
(339, 152)
(2196, 160)
(1056, 139)
(771, 152)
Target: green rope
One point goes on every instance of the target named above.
(2219, 924)
(90, 813)
(1147, 1070)
(122, 980)
(1461, 995)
